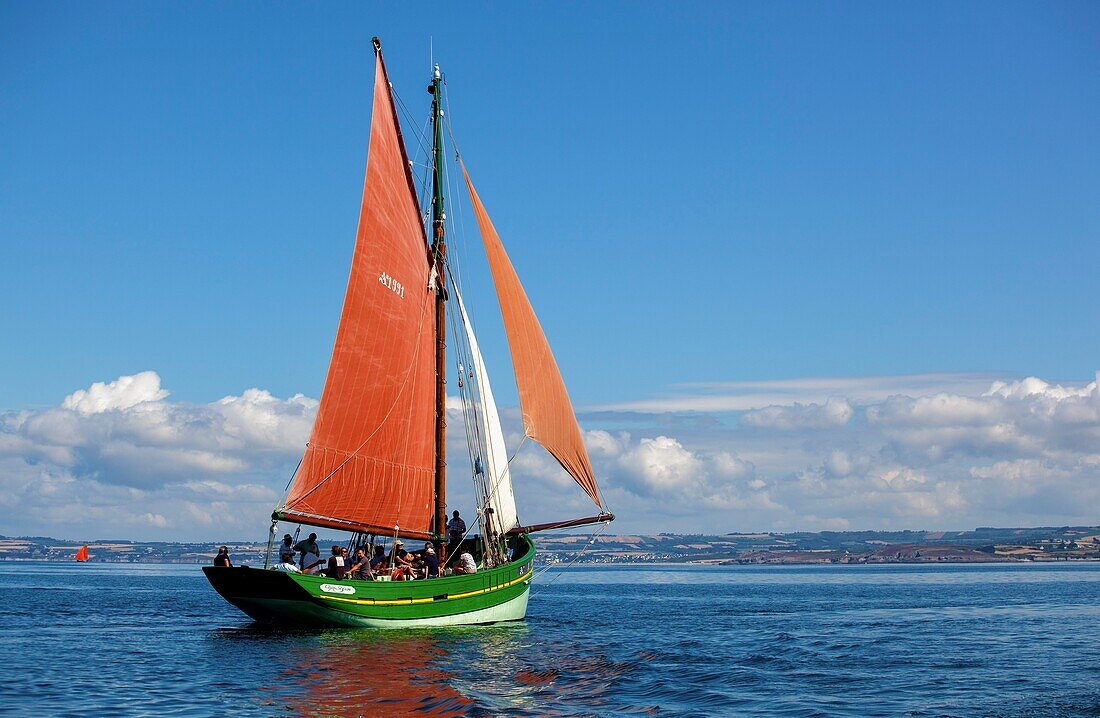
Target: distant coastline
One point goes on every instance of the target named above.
(982, 545)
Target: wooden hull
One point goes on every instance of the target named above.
(297, 600)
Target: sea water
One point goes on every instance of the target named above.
(926, 640)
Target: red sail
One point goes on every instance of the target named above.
(82, 553)
(369, 464)
(548, 416)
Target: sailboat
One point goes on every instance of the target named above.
(82, 554)
(375, 464)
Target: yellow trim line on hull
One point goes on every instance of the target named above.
(409, 601)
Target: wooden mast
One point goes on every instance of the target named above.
(439, 253)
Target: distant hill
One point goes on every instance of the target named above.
(982, 545)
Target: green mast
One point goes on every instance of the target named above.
(439, 253)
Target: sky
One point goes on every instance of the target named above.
(803, 265)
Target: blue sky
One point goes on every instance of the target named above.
(692, 193)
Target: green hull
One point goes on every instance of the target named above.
(296, 600)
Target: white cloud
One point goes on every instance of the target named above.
(120, 452)
(121, 459)
(833, 413)
(838, 464)
(122, 393)
(950, 453)
(682, 480)
(735, 396)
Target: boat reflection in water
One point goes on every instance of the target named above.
(369, 673)
(452, 672)
(517, 672)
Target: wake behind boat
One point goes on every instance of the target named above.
(375, 464)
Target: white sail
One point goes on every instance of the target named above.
(499, 479)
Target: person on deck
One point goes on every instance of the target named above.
(419, 569)
(312, 562)
(378, 561)
(286, 550)
(360, 568)
(308, 545)
(431, 562)
(401, 562)
(336, 564)
(287, 566)
(465, 564)
(456, 529)
(222, 559)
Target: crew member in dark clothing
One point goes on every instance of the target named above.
(222, 559)
(308, 545)
(378, 561)
(336, 563)
(456, 529)
(431, 561)
(360, 568)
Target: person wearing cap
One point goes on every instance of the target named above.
(431, 561)
(286, 550)
(400, 561)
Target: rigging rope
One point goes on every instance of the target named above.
(595, 535)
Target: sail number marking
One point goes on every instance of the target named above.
(395, 286)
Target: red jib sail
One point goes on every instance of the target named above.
(548, 416)
(369, 464)
(82, 553)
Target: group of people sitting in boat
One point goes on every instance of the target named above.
(398, 565)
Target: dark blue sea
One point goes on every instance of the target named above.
(993, 640)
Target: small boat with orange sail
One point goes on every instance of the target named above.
(82, 554)
(375, 462)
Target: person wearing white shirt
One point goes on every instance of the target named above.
(311, 563)
(465, 564)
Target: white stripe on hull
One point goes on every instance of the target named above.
(513, 610)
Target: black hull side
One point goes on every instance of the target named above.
(240, 585)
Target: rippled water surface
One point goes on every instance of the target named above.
(114, 640)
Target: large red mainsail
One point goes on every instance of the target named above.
(370, 460)
(548, 416)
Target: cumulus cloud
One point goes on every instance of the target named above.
(662, 468)
(834, 412)
(1025, 418)
(945, 453)
(950, 453)
(122, 393)
(123, 444)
